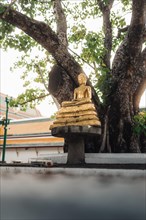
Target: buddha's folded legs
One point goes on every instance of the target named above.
(76, 102)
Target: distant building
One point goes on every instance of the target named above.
(30, 138)
(143, 109)
(29, 113)
(28, 135)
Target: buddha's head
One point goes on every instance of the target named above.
(82, 79)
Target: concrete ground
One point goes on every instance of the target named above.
(29, 193)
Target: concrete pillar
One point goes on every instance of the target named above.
(76, 150)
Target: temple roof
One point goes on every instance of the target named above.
(29, 113)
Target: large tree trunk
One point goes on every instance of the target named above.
(128, 73)
(121, 122)
(128, 69)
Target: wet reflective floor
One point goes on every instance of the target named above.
(67, 194)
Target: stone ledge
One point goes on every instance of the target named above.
(101, 158)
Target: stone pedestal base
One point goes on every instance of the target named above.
(75, 136)
(76, 150)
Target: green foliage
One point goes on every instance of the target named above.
(35, 9)
(104, 86)
(30, 98)
(20, 42)
(6, 29)
(2, 9)
(87, 39)
(28, 6)
(93, 49)
(53, 117)
(140, 123)
(117, 20)
(37, 65)
(118, 23)
(126, 3)
(78, 33)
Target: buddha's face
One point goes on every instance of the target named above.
(82, 79)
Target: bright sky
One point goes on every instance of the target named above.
(12, 85)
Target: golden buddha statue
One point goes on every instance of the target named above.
(80, 111)
(82, 94)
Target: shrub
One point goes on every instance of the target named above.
(140, 123)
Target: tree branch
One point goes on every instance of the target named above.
(8, 8)
(104, 5)
(81, 58)
(45, 85)
(144, 35)
(130, 49)
(39, 31)
(47, 38)
(41, 75)
(137, 27)
(107, 28)
(61, 21)
(122, 30)
(33, 99)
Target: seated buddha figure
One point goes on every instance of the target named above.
(80, 111)
(81, 94)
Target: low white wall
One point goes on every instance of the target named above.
(25, 154)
